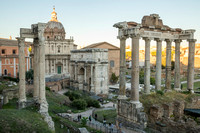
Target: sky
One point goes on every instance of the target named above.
(91, 21)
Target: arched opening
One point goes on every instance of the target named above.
(81, 78)
(5, 72)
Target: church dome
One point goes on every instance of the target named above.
(54, 30)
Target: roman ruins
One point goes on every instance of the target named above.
(151, 28)
(37, 33)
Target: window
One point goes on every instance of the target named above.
(14, 51)
(3, 51)
(58, 49)
(112, 63)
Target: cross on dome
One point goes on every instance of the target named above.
(54, 15)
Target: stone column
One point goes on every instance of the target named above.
(92, 79)
(135, 72)
(147, 66)
(85, 81)
(42, 93)
(76, 76)
(122, 71)
(158, 63)
(36, 70)
(190, 72)
(168, 65)
(22, 85)
(177, 65)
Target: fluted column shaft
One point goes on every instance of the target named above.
(22, 85)
(147, 66)
(158, 63)
(135, 70)
(122, 80)
(177, 65)
(168, 65)
(190, 74)
(36, 70)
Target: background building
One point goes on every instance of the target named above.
(89, 70)
(113, 56)
(9, 57)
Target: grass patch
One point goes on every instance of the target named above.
(196, 85)
(109, 115)
(22, 121)
(157, 99)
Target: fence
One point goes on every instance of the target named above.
(102, 128)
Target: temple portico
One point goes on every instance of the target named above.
(151, 28)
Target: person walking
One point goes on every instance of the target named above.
(104, 122)
(95, 117)
(90, 118)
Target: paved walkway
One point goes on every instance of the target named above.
(93, 122)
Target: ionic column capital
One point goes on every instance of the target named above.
(158, 39)
(169, 40)
(136, 36)
(122, 37)
(177, 40)
(191, 40)
(147, 38)
(21, 41)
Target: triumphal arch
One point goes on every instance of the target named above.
(151, 28)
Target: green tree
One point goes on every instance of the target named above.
(113, 78)
(29, 75)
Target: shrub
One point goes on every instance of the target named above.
(152, 81)
(47, 88)
(73, 95)
(11, 79)
(160, 92)
(79, 104)
(84, 121)
(92, 103)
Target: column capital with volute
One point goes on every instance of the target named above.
(192, 40)
(177, 40)
(147, 38)
(122, 37)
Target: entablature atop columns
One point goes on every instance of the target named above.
(150, 29)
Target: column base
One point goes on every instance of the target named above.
(177, 89)
(136, 104)
(191, 91)
(44, 112)
(21, 104)
(121, 97)
(36, 100)
(167, 90)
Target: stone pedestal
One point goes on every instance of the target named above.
(131, 114)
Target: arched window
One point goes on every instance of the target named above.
(58, 49)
